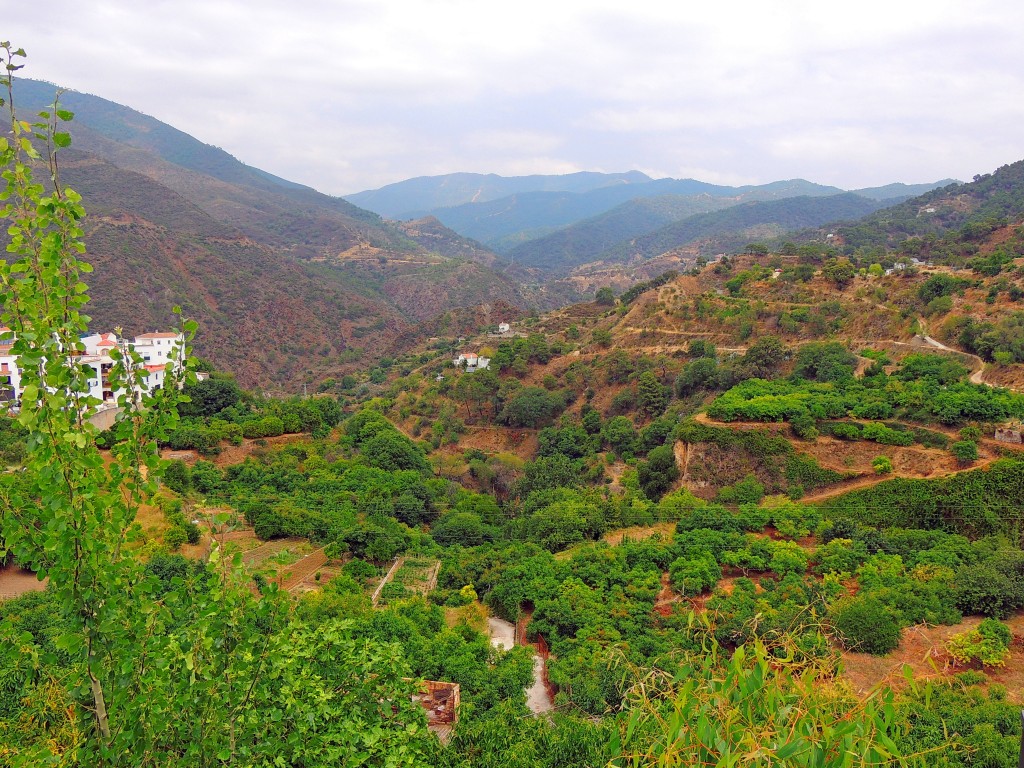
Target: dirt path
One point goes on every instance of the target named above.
(503, 633)
(387, 577)
(867, 481)
(15, 582)
(538, 695)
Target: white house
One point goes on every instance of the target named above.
(156, 349)
(504, 327)
(471, 362)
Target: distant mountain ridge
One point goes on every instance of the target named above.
(414, 197)
(704, 233)
(567, 223)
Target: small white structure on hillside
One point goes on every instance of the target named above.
(471, 362)
(504, 327)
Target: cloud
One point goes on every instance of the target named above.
(350, 94)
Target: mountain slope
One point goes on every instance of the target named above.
(266, 318)
(899, 190)
(176, 221)
(585, 240)
(732, 227)
(989, 198)
(506, 223)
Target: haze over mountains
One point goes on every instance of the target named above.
(292, 285)
(556, 223)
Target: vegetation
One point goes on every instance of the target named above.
(698, 587)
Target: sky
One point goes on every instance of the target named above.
(346, 95)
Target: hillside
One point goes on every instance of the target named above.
(588, 254)
(272, 270)
(585, 240)
(434, 236)
(959, 213)
(267, 318)
(507, 222)
(563, 214)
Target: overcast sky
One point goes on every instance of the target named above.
(345, 95)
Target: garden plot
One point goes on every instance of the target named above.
(415, 576)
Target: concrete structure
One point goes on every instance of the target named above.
(1010, 434)
(504, 328)
(156, 349)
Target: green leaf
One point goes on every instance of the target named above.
(62, 140)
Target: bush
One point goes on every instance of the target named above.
(178, 477)
(691, 576)
(988, 643)
(882, 465)
(175, 537)
(966, 451)
(865, 625)
(984, 589)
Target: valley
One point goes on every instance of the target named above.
(552, 472)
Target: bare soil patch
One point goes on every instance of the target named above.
(15, 582)
(922, 649)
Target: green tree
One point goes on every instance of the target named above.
(659, 472)
(839, 271)
(605, 297)
(652, 395)
(202, 674)
(209, 397)
(763, 358)
(824, 361)
(966, 451)
(865, 624)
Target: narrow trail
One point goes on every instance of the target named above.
(538, 695)
(977, 375)
(868, 481)
(387, 577)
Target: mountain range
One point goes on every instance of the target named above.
(535, 207)
(291, 285)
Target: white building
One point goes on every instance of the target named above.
(156, 349)
(471, 362)
(504, 328)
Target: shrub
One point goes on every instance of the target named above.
(788, 557)
(175, 537)
(865, 625)
(966, 451)
(882, 465)
(746, 491)
(984, 589)
(691, 576)
(178, 477)
(988, 643)
(840, 556)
